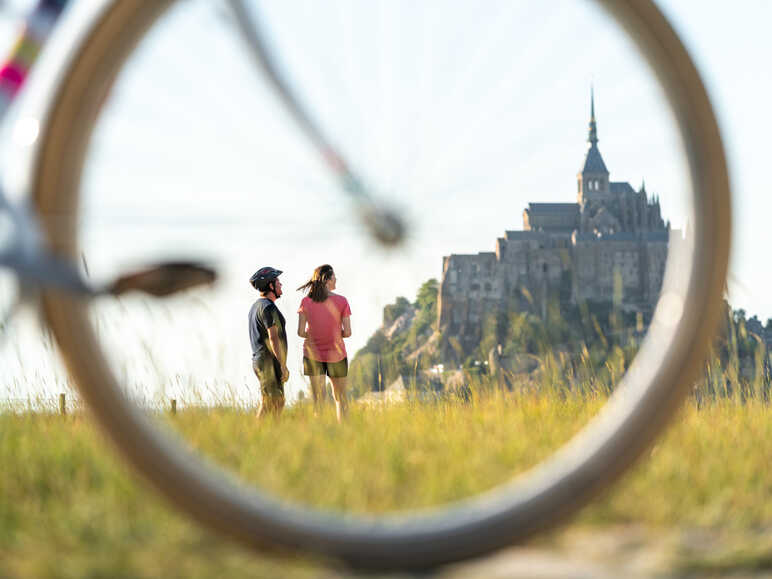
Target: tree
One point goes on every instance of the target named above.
(426, 299)
(392, 311)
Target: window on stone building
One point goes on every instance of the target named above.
(474, 287)
(487, 287)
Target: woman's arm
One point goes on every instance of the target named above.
(302, 325)
(346, 323)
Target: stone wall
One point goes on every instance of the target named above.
(626, 268)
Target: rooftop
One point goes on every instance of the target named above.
(623, 236)
(593, 163)
(621, 187)
(553, 208)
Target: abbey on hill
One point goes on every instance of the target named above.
(611, 245)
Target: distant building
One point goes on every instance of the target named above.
(611, 245)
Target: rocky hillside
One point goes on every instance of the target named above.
(405, 345)
(589, 345)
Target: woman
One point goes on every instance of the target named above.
(324, 320)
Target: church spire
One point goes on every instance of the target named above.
(593, 136)
(593, 162)
(592, 180)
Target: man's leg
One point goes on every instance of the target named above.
(270, 404)
(272, 391)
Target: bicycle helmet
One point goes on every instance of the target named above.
(263, 277)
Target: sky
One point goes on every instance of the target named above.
(730, 47)
(456, 116)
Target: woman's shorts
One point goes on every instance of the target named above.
(332, 369)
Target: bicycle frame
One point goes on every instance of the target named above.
(34, 264)
(25, 254)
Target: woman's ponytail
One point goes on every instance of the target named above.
(317, 285)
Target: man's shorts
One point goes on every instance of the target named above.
(332, 369)
(268, 372)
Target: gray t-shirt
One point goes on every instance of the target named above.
(263, 315)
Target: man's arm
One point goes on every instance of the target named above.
(346, 326)
(277, 349)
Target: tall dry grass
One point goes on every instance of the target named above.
(69, 508)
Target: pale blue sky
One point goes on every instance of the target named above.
(447, 112)
(731, 45)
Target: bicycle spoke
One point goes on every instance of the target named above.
(384, 223)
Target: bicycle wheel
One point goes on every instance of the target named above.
(66, 103)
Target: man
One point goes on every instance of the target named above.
(269, 341)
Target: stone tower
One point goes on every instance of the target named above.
(592, 181)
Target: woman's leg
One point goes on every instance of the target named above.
(339, 393)
(317, 390)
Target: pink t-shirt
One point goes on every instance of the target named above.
(324, 341)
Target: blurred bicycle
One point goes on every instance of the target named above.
(42, 252)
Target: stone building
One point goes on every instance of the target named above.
(610, 245)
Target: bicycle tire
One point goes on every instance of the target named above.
(65, 99)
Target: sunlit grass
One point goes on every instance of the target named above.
(385, 458)
(69, 508)
(711, 468)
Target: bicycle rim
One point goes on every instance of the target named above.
(537, 500)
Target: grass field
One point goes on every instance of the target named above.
(70, 508)
(387, 458)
